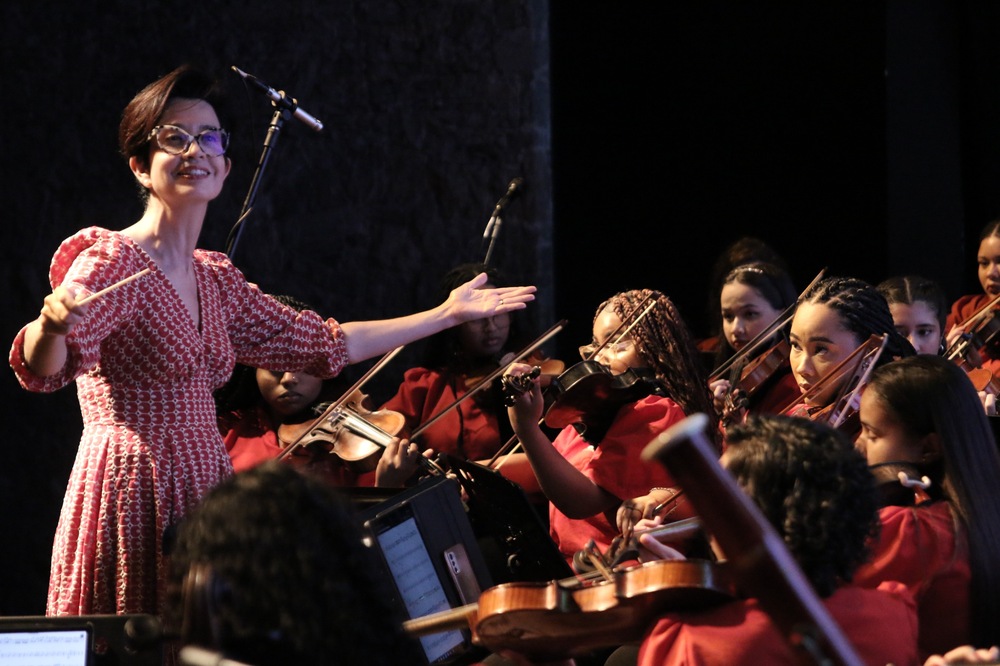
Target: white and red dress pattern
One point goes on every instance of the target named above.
(145, 372)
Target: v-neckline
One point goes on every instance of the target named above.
(195, 319)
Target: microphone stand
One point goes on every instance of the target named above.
(283, 111)
(493, 229)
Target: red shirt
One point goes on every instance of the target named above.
(961, 310)
(615, 466)
(470, 431)
(880, 624)
(251, 439)
(919, 548)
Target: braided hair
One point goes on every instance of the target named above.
(664, 343)
(863, 311)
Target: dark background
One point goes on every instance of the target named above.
(857, 136)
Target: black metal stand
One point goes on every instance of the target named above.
(282, 113)
(494, 232)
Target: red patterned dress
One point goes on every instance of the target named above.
(145, 373)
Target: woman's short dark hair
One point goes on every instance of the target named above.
(143, 113)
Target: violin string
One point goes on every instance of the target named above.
(488, 379)
(785, 317)
(607, 340)
(335, 406)
(838, 373)
(869, 360)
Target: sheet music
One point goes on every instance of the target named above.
(44, 648)
(418, 583)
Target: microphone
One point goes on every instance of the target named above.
(513, 189)
(279, 98)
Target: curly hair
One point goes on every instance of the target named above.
(293, 582)
(929, 394)
(813, 487)
(863, 311)
(664, 343)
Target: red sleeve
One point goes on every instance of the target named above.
(265, 333)
(963, 308)
(411, 397)
(914, 544)
(616, 466)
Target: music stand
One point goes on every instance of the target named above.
(515, 543)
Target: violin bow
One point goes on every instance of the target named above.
(485, 381)
(512, 445)
(955, 349)
(838, 373)
(780, 321)
(618, 334)
(848, 396)
(339, 402)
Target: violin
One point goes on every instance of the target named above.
(983, 380)
(588, 397)
(851, 375)
(559, 619)
(548, 368)
(982, 328)
(899, 483)
(354, 433)
(751, 376)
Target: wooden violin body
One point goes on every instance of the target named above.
(354, 433)
(982, 329)
(564, 618)
(751, 377)
(588, 396)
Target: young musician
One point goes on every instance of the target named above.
(262, 413)
(814, 488)
(833, 319)
(584, 480)
(918, 309)
(454, 361)
(966, 308)
(147, 354)
(753, 296)
(921, 415)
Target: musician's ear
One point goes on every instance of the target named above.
(930, 448)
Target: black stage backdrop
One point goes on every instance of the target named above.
(858, 136)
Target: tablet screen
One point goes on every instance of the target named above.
(55, 647)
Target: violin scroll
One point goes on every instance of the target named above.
(515, 385)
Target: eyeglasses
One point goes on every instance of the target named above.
(175, 140)
(587, 351)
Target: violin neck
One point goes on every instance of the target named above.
(448, 620)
